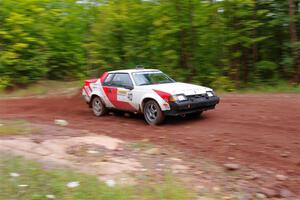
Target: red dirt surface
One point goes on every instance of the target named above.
(257, 130)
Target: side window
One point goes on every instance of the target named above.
(108, 79)
(121, 80)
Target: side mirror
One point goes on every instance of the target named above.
(129, 87)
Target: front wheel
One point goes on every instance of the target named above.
(152, 113)
(98, 107)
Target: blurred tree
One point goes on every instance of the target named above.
(224, 43)
(41, 38)
(294, 39)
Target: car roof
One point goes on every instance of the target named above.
(133, 70)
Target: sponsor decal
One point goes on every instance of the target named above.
(122, 95)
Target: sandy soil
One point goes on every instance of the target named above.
(260, 132)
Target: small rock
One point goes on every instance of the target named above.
(176, 159)
(1, 125)
(246, 197)
(200, 187)
(119, 149)
(216, 189)
(179, 168)
(284, 155)
(50, 196)
(260, 196)
(161, 164)
(37, 140)
(231, 158)
(183, 142)
(227, 198)
(253, 176)
(73, 184)
(198, 172)
(269, 192)
(203, 198)
(106, 159)
(92, 152)
(152, 151)
(145, 140)
(281, 177)
(110, 183)
(23, 185)
(285, 193)
(232, 166)
(61, 122)
(13, 174)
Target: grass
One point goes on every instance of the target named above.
(41, 88)
(45, 87)
(279, 88)
(15, 127)
(140, 145)
(40, 182)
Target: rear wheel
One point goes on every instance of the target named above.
(98, 107)
(152, 113)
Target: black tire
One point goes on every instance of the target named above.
(152, 113)
(98, 107)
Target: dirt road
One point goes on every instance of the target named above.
(257, 131)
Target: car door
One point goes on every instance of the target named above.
(118, 91)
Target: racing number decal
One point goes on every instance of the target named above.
(129, 94)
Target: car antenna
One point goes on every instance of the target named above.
(139, 67)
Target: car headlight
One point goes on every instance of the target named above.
(179, 97)
(210, 93)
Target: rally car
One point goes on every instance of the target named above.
(146, 91)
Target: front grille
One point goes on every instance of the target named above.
(196, 96)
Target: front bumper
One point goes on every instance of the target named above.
(192, 105)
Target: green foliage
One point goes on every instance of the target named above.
(5, 82)
(237, 41)
(266, 69)
(43, 87)
(223, 83)
(41, 39)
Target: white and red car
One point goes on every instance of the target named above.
(147, 91)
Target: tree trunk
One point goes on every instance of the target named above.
(255, 46)
(294, 39)
(185, 37)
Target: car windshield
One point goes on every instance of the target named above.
(151, 78)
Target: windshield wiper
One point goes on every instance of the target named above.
(145, 84)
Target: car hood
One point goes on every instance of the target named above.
(180, 88)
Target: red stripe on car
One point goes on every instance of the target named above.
(164, 95)
(112, 95)
(103, 77)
